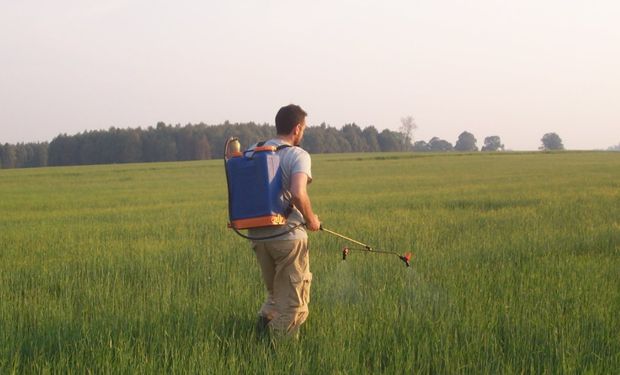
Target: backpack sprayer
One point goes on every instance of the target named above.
(254, 180)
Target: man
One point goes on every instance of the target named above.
(284, 260)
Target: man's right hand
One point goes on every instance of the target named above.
(314, 224)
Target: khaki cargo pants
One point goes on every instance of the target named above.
(285, 267)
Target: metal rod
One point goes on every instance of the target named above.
(373, 250)
(346, 238)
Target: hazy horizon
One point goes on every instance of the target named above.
(517, 70)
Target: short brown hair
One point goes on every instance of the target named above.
(288, 117)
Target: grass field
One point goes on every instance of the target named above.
(131, 269)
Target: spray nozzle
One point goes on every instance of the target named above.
(405, 258)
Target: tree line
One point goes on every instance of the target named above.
(199, 142)
(190, 142)
(466, 142)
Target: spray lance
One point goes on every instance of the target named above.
(363, 247)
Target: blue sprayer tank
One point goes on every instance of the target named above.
(255, 188)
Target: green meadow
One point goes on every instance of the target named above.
(130, 268)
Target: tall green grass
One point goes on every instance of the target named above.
(130, 269)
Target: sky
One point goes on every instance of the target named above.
(517, 69)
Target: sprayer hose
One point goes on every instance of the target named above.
(267, 237)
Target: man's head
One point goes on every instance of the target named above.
(291, 121)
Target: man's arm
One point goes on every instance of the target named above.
(301, 200)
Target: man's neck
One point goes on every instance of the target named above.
(286, 139)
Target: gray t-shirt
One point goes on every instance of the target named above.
(292, 160)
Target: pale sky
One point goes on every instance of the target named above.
(517, 69)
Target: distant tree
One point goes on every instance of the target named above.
(551, 141)
(185, 143)
(130, 146)
(614, 148)
(439, 145)
(22, 155)
(40, 155)
(466, 142)
(407, 126)
(421, 146)
(336, 141)
(202, 149)
(159, 144)
(372, 138)
(331, 143)
(353, 134)
(314, 141)
(90, 148)
(390, 141)
(64, 150)
(8, 156)
(493, 143)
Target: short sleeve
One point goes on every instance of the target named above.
(303, 164)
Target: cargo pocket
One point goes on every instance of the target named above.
(300, 293)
